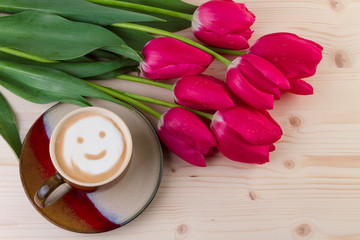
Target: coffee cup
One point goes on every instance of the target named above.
(89, 148)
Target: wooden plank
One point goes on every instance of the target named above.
(309, 190)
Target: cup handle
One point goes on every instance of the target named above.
(44, 195)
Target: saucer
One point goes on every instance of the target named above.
(110, 206)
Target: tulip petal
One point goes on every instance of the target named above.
(295, 57)
(254, 127)
(230, 41)
(202, 92)
(223, 24)
(224, 17)
(164, 50)
(270, 118)
(172, 71)
(300, 87)
(182, 149)
(258, 81)
(232, 145)
(271, 148)
(172, 58)
(241, 87)
(187, 128)
(268, 71)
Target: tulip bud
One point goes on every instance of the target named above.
(186, 135)
(202, 92)
(223, 23)
(168, 58)
(300, 87)
(245, 134)
(255, 81)
(294, 56)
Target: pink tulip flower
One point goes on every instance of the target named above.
(300, 87)
(167, 58)
(223, 23)
(245, 135)
(294, 56)
(255, 81)
(202, 92)
(186, 135)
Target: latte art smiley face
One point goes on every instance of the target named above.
(90, 147)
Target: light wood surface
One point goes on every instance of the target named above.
(309, 190)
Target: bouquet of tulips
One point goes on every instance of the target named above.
(228, 114)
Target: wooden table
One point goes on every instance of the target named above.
(309, 190)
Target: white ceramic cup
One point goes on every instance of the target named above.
(62, 181)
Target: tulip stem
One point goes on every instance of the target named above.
(26, 55)
(134, 98)
(145, 81)
(173, 35)
(132, 101)
(144, 8)
(228, 51)
(165, 104)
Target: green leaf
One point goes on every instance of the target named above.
(174, 5)
(113, 74)
(8, 129)
(123, 50)
(78, 69)
(134, 39)
(44, 85)
(84, 70)
(104, 54)
(172, 24)
(77, 10)
(80, 59)
(56, 38)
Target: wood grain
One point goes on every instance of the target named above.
(309, 190)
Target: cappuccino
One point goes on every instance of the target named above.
(90, 147)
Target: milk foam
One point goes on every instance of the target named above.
(91, 136)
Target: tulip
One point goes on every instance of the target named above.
(186, 135)
(168, 58)
(255, 81)
(245, 135)
(294, 56)
(300, 87)
(223, 23)
(202, 92)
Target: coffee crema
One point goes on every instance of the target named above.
(90, 147)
